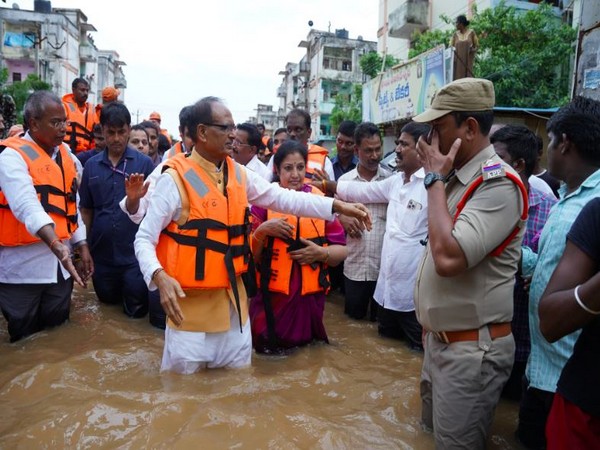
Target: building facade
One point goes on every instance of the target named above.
(55, 45)
(329, 68)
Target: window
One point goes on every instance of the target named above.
(337, 58)
(16, 76)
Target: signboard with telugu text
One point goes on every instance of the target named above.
(405, 90)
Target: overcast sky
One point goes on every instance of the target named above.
(180, 51)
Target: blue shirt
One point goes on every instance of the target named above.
(338, 170)
(546, 361)
(102, 188)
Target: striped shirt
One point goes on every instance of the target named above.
(546, 361)
(540, 205)
(364, 252)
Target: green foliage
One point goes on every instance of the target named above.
(527, 54)
(20, 90)
(347, 107)
(428, 40)
(370, 63)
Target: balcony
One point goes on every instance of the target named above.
(409, 17)
(303, 68)
(87, 53)
(281, 91)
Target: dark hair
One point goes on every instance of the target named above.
(97, 128)
(280, 130)
(301, 113)
(78, 81)
(579, 120)
(260, 125)
(347, 128)
(36, 104)
(139, 127)
(115, 114)
(200, 112)
(365, 130)
(254, 137)
(151, 124)
(520, 142)
(485, 119)
(462, 19)
(416, 129)
(163, 143)
(289, 147)
(184, 116)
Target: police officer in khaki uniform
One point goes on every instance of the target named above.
(463, 293)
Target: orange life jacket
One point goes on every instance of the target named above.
(210, 247)
(55, 182)
(175, 150)
(471, 189)
(316, 160)
(80, 124)
(276, 265)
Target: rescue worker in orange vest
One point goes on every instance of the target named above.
(39, 222)
(198, 216)
(81, 117)
(298, 129)
(155, 117)
(109, 94)
(293, 254)
(185, 144)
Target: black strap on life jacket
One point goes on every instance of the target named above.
(78, 130)
(265, 277)
(202, 243)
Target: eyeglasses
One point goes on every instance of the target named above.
(57, 124)
(240, 144)
(227, 128)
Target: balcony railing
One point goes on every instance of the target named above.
(409, 17)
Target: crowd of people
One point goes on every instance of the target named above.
(230, 240)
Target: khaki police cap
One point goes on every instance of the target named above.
(464, 94)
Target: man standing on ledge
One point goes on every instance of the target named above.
(193, 245)
(463, 294)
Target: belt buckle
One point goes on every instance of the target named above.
(441, 336)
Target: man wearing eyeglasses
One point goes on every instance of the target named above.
(39, 224)
(193, 244)
(298, 128)
(245, 149)
(117, 278)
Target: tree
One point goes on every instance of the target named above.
(347, 107)
(20, 90)
(526, 54)
(370, 63)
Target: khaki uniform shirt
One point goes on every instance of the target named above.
(483, 293)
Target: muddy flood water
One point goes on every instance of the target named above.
(95, 382)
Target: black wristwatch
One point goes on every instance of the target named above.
(432, 177)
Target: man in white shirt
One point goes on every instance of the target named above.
(361, 267)
(209, 328)
(35, 291)
(245, 149)
(406, 230)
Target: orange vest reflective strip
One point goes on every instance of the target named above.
(80, 124)
(316, 160)
(276, 265)
(56, 189)
(471, 189)
(175, 150)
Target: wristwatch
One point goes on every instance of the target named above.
(432, 177)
